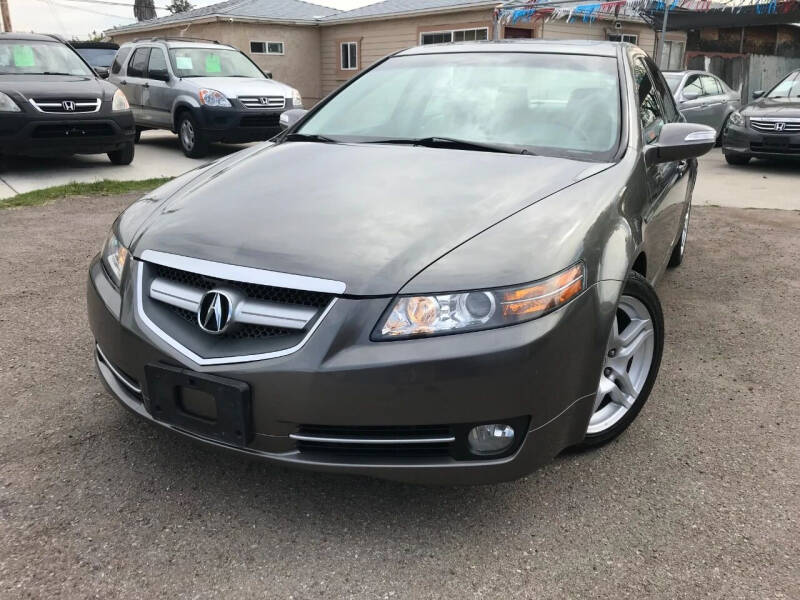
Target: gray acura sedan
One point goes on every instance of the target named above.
(442, 273)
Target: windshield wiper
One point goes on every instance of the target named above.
(309, 137)
(446, 142)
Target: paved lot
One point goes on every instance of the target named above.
(157, 155)
(699, 499)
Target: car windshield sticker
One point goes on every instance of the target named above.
(213, 64)
(184, 63)
(23, 57)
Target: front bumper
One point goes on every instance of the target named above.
(744, 141)
(38, 134)
(544, 371)
(238, 124)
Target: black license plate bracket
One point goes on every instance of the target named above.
(164, 400)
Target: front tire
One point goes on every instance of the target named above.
(631, 362)
(123, 156)
(738, 160)
(193, 141)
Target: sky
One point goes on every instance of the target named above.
(77, 18)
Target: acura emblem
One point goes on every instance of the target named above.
(779, 126)
(214, 314)
(68, 105)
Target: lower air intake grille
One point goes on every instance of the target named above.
(419, 441)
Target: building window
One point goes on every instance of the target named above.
(266, 47)
(630, 38)
(348, 52)
(454, 35)
(672, 60)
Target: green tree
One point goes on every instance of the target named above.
(179, 6)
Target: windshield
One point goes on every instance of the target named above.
(673, 81)
(788, 88)
(548, 103)
(212, 62)
(98, 57)
(27, 57)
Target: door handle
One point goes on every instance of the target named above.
(683, 166)
(147, 85)
(124, 82)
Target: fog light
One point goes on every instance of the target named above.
(490, 439)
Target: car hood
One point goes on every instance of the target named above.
(56, 86)
(773, 107)
(369, 216)
(242, 86)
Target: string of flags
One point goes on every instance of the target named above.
(515, 11)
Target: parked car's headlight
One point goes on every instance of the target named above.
(297, 99)
(437, 314)
(736, 118)
(213, 98)
(115, 257)
(7, 104)
(119, 102)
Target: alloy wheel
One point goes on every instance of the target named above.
(627, 364)
(187, 134)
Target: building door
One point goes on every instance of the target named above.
(516, 33)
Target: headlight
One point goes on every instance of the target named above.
(297, 99)
(438, 314)
(736, 118)
(115, 256)
(213, 98)
(119, 102)
(7, 104)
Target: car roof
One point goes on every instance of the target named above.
(32, 37)
(690, 72)
(180, 43)
(594, 48)
(90, 44)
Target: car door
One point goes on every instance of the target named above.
(692, 100)
(157, 92)
(134, 81)
(667, 183)
(716, 108)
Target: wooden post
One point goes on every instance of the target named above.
(6, 15)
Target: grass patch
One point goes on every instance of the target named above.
(106, 187)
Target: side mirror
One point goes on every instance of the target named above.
(758, 94)
(290, 117)
(689, 96)
(158, 75)
(680, 141)
(102, 72)
(268, 74)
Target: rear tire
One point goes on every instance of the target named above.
(631, 363)
(193, 141)
(680, 246)
(123, 156)
(738, 160)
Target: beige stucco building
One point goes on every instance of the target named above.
(316, 48)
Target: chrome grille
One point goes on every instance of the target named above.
(66, 106)
(776, 125)
(269, 102)
(416, 441)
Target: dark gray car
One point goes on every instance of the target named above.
(442, 273)
(703, 97)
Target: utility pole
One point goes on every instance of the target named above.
(6, 15)
(663, 35)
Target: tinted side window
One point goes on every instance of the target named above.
(119, 60)
(662, 89)
(138, 64)
(693, 85)
(158, 62)
(651, 114)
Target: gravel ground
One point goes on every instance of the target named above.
(699, 499)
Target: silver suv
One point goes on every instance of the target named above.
(202, 90)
